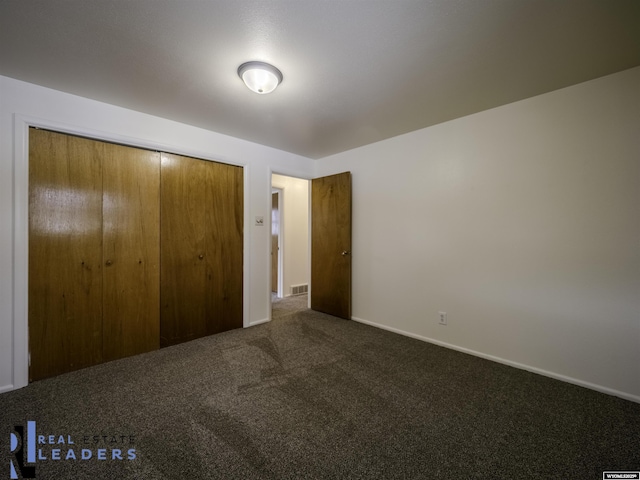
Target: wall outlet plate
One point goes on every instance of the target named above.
(443, 318)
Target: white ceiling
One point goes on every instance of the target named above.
(355, 71)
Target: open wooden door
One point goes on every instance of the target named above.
(331, 245)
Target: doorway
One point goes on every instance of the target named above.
(276, 234)
(290, 260)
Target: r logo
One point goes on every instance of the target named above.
(17, 448)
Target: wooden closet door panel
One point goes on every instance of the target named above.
(225, 216)
(131, 246)
(65, 253)
(182, 257)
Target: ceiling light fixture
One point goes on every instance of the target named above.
(260, 77)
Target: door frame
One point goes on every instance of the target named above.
(280, 252)
(292, 174)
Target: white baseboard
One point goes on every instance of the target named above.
(258, 322)
(521, 366)
(7, 388)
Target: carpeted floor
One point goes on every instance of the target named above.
(283, 307)
(311, 396)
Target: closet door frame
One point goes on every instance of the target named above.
(18, 343)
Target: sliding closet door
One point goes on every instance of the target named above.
(65, 253)
(131, 251)
(94, 252)
(201, 248)
(183, 249)
(224, 246)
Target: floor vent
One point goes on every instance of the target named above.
(299, 289)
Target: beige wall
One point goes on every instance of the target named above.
(521, 222)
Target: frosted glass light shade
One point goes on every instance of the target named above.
(260, 77)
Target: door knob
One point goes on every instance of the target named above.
(201, 256)
(345, 253)
(108, 263)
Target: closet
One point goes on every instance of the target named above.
(202, 225)
(98, 216)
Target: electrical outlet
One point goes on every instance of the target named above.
(443, 318)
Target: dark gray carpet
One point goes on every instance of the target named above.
(282, 307)
(312, 396)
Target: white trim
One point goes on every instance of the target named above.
(280, 260)
(7, 388)
(281, 221)
(246, 243)
(521, 366)
(259, 322)
(20, 325)
(20, 283)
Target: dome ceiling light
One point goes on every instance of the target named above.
(260, 77)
